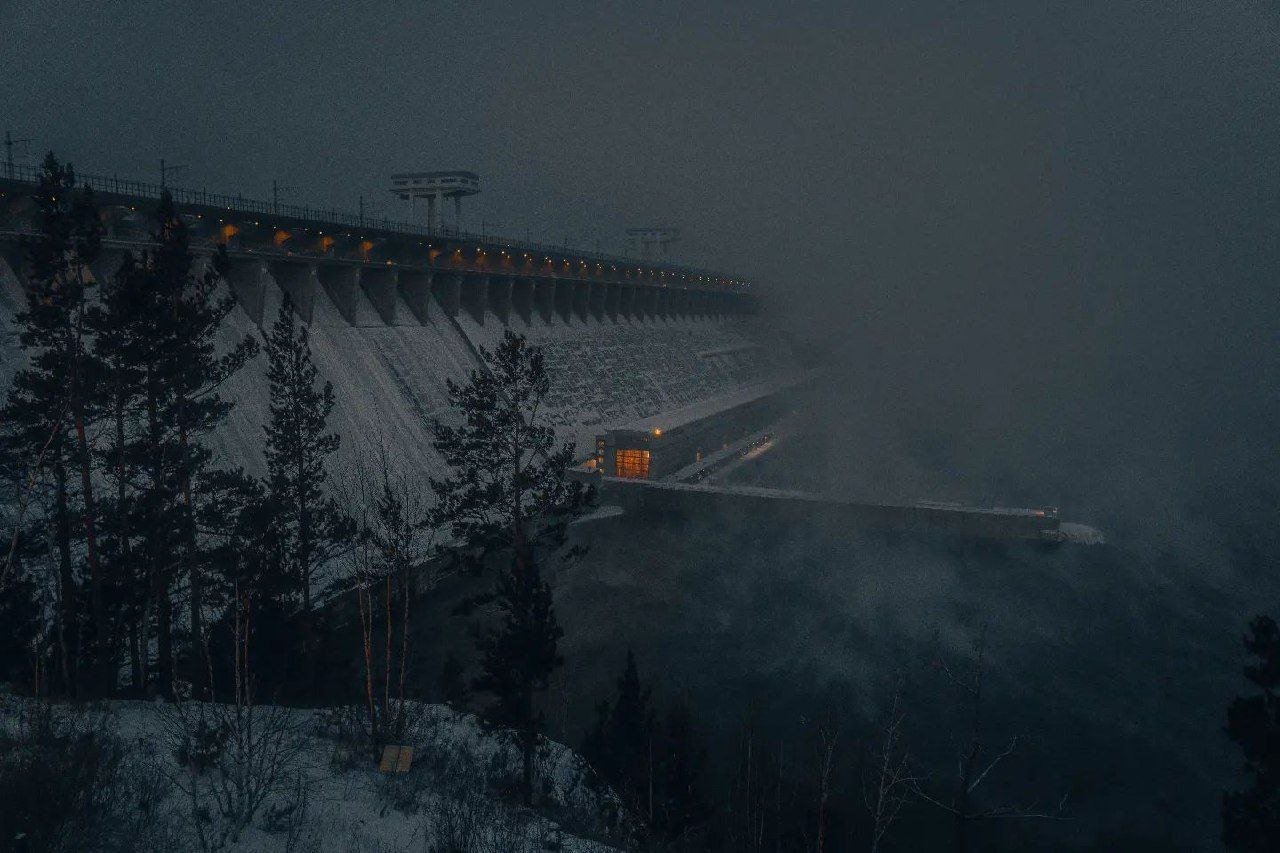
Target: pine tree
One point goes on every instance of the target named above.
(656, 770)
(181, 373)
(1251, 817)
(451, 684)
(680, 806)
(621, 746)
(118, 392)
(48, 414)
(245, 555)
(119, 331)
(21, 621)
(198, 372)
(517, 658)
(298, 449)
(508, 495)
(507, 485)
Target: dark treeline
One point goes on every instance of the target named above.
(104, 439)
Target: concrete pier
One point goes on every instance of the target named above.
(475, 296)
(611, 295)
(522, 299)
(447, 289)
(626, 296)
(564, 300)
(595, 301)
(380, 285)
(249, 280)
(298, 281)
(341, 284)
(415, 292)
(544, 298)
(500, 298)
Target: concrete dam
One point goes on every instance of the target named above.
(661, 373)
(394, 313)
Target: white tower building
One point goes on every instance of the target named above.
(435, 187)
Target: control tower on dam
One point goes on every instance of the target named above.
(397, 309)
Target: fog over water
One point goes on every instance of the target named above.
(1039, 242)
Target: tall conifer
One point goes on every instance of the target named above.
(506, 487)
(517, 657)
(507, 495)
(298, 448)
(1251, 816)
(181, 372)
(621, 744)
(50, 404)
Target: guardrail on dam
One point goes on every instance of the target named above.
(482, 274)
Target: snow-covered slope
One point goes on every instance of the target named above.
(329, 796)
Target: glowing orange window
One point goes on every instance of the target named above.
(632, 464)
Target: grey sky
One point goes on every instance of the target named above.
(1042, 234)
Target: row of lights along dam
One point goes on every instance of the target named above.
(251, 226)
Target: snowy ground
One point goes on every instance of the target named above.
(330, 796)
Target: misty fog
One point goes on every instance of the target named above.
(1037, 235)
(1036, 242)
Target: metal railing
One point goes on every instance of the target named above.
(332, 216)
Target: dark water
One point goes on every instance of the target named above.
(1112, 664)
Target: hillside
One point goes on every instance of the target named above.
(318, 790)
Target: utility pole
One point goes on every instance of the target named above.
(165, 171)
(361, 211)
(277, 189)
(9, 143)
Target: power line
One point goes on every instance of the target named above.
(276, 189)
(166, 171)
(9, 143)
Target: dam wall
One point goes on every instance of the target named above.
(389, 338)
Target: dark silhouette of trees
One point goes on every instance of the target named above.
(181, 375)
(21, 622)
(298, 448)
(517, 657)
(119, 327)
(657, 769)
(680, 805)
(620, 746)
(395, 538)
(451, 682)
(888, 780)
(976, 759)
(508, 497)
(506, 489)
(1251, 816)
(308, 526)
(50, 408)
(103, 437)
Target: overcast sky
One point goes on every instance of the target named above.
(1043, 235)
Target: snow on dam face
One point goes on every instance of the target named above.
(389, 378)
